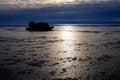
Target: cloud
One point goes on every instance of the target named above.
(72, 12)
(18, 4)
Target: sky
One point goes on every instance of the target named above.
(60, 11)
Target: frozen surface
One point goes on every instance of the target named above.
(66, 53)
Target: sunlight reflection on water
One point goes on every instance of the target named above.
(68, 41)
(67, 52)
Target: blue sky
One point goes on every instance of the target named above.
(60, 11)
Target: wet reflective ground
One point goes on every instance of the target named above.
(66, 53)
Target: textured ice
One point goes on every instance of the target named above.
(81, 53)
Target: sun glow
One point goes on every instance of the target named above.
(18, 4)
(62, 1)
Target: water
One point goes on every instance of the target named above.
(67, 53)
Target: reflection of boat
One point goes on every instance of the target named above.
(40, 26)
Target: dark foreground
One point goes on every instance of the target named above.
(66, 53)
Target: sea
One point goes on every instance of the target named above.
(68, 52)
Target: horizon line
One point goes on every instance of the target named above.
(64, 24)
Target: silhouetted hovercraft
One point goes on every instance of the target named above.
(40, 26)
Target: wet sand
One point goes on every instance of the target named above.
(66, 53)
